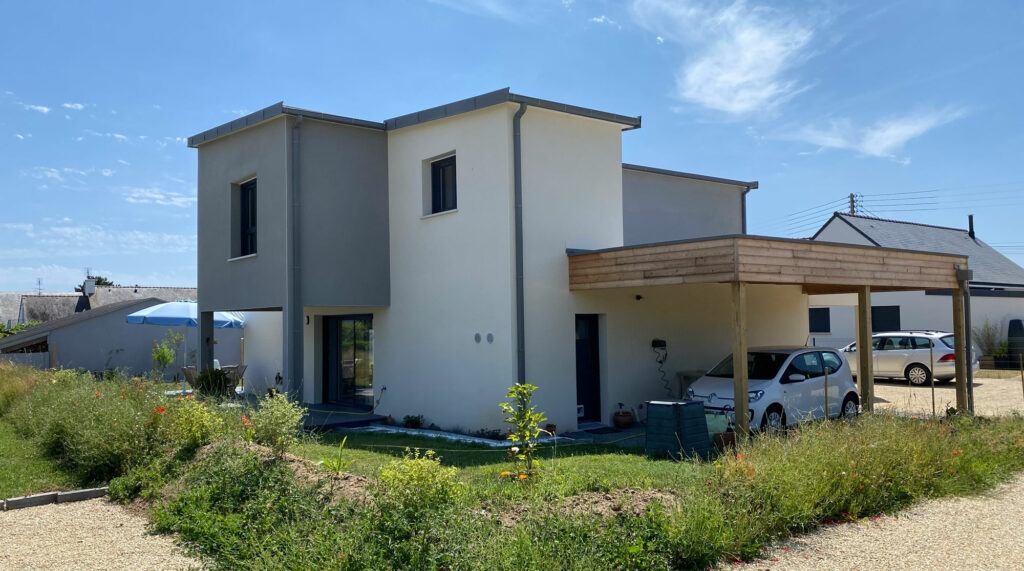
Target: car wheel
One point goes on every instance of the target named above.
(918, 375)
(850, 406)
(774, 420)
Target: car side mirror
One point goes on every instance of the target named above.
(796, 378)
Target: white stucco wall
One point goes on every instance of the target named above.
(263, 348)
(451, 275)
(572, 198)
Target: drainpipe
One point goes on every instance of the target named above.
(293, 298)
(517, 176)
(743, 208)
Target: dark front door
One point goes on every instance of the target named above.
(588, 369)
(348, 361)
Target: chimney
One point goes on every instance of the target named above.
(89, 286)
(970, 225)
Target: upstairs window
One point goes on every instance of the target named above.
(246, 226)
(820, 319)
(442, 185)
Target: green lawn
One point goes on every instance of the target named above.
(23, 469)
(570, 468)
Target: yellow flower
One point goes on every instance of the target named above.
(522, 476)
(505, 473)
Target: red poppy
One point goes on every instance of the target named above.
(98, 394)
(245, 421)
(159, 410)
(956, 452)
(741, 456)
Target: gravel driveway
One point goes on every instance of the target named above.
(962, 533)
(991, 396)
(94, 534)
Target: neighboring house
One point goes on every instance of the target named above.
(50, 306)
(423, 264)
(101, 339)
(997, 288)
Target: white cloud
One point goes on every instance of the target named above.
(124, 162)
(107, 172)
(605, 20)
(737, 58)
(22, 136)
(159, 197)
(884, 138)
(73, 106)
(119, 137)
(40, 108)
(659, 39)
(502, 9)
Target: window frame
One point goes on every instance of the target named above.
(247, 223)
(439, 199)
(791, 367)
(821, 357)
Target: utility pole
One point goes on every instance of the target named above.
(39, 286)
(853, 203)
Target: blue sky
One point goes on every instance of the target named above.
(915, 105)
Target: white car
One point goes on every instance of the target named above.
(787, 386)
(905, 354)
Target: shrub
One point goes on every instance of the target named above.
(214, 383)
(193, 424)
(413, 421)
(524, 428)
(412, 499)
(96, 429)
(988, 339)
(276, 423)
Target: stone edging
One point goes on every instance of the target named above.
(52, 498)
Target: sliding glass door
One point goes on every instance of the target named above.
(348, 361)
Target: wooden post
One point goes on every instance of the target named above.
(865, 353)
(931, 369)
(740, 383)
(1021, 355)
(825, 367)
(51, 348)
(959, 349)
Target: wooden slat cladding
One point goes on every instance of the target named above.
(819, 267)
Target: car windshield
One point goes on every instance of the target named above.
(760, 366)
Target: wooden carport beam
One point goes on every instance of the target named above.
(865, 353)
(959, 346)
(740, 383)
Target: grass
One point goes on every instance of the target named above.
(244, 507)
(24, 469)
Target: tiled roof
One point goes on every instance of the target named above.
(10, 305)
(105, 295)
(44, 328)
(989, 266)
(48, 307)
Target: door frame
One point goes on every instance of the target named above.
(327, 321)
(595, 414)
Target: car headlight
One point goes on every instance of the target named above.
(755, 395)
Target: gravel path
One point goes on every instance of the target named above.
(94, 534)
(985, 532)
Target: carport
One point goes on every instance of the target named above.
(819, 267)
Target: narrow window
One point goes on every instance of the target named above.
(442, 185)
(247, 218)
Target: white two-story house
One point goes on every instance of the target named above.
(422, 264)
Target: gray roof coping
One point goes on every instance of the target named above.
(440, 112)
(749, 185)
(988, 264)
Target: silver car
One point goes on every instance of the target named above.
(905, 354)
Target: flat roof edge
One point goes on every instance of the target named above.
(749, 185)
(571, 252)
(271, 112)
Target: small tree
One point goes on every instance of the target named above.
(524, 428)
(164, 353)
(988, 339)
